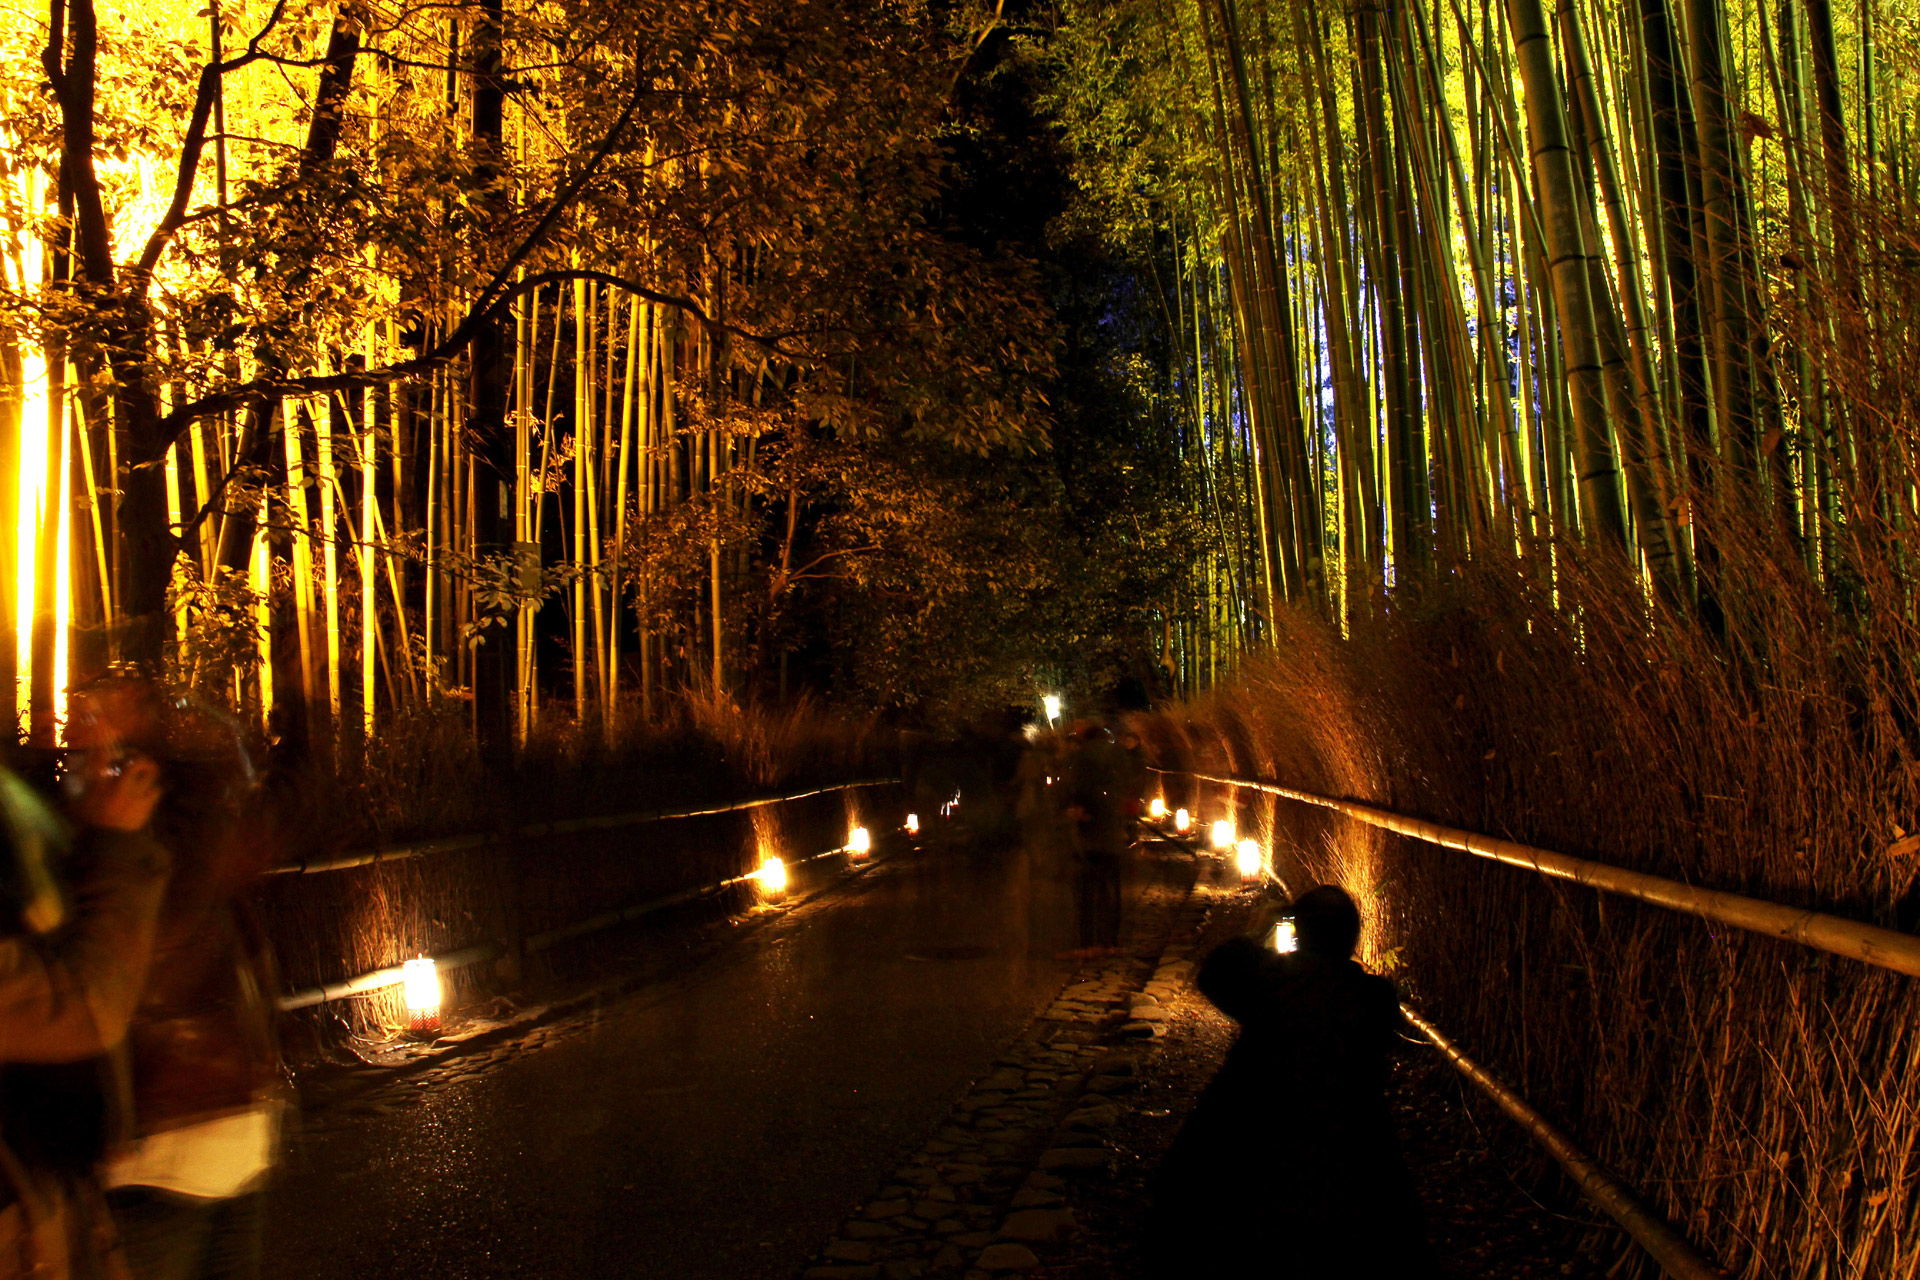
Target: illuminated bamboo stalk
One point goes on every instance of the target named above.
(260, 582)
(67, 423)
(1569, 271)
(172, 465)
(363, 552)
(527, 335)
(654, 424)
(302, 546)
(92, 498)
(630, 406)
(329, 547)
(606, 590)
(582, 432)
(590, 472)
(402, 420)
(436, 481)
(208, 537)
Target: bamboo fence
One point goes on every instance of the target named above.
(1869, 943)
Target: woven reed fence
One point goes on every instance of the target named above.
(342, 924)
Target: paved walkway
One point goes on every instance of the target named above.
(721, 1124)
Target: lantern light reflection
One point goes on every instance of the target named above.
(1249, 859)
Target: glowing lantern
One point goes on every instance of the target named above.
(1052, 703)
(1285, 939)
(1156, 808)
(422, 986)
(913, 824)
(772, 876)
(1249, 859)
(1182, 820)
(1223, 834)
(859, 842)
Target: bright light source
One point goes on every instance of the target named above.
(859, 842)
(1156, 808)
(1285, 939)
(772, 876)
(1223, 834)
(913, 824)
(422, 986)
(1182, 820)
(1052, 703)
(1248, 858)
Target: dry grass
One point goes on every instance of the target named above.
(1762, 1094)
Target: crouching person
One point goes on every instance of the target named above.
(78, 914)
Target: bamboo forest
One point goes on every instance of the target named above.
(1405, 437)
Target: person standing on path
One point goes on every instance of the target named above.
(1289, 1165)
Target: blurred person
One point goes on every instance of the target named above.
(203, 1096)
(1096, 805)
(81, 907)
(1289, 1165)
(1134, 776)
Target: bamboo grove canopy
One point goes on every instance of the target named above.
(1460, 280)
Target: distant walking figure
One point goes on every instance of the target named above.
(1289, 1166)
(1094, 783)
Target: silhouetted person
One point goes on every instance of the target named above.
(1289, 1165)
(1095, 803)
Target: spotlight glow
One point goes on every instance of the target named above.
(1249, 859)
(772, 876)
(1222, 834)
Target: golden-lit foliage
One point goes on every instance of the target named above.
(353, 267)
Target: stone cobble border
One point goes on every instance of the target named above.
(986, 1196)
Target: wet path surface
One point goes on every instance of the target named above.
(717, 1125)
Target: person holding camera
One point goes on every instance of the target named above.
(84, 906)
(1290, 1164)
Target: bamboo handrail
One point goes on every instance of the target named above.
(561, 827)
(1857, 940)
(380, 979)
(1675, 1254)
(393, 975)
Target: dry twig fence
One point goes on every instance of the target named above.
(480, 953)
(1855, 939)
